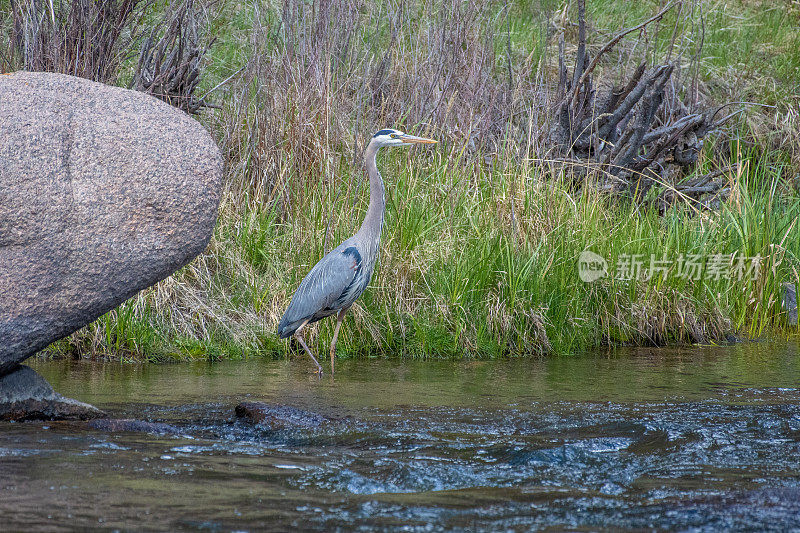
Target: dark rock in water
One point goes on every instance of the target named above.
(279, 416)
(25, 395)
(731, 338)
(115, 425)
(103, 192)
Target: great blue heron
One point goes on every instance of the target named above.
(331, 287)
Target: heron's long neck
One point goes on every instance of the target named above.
(371, 227)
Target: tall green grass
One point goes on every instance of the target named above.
(458, 278)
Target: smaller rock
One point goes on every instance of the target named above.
(25, 395)
(790, 302)
(114, 425)
(279, 416)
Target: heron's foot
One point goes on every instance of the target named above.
(309, 352)
(339, 319)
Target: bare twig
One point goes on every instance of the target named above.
(83, 38)
(610, 44)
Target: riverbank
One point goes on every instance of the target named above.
(482, 248)
(486, 273)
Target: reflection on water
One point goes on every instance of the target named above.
(702, 438)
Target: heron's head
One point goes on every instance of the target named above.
(390, 137)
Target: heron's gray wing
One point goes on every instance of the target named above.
(321, 288)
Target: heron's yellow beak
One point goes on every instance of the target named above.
(410, 139)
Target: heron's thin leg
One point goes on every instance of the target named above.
(339, 319)
(299, 337)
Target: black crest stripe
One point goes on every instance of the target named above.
(352, 251)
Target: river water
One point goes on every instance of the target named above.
(700, 438)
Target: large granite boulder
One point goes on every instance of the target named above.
(103, 192)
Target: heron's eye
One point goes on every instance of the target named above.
(394, 136)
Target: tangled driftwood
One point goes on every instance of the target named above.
(170, 67)
(630, 136)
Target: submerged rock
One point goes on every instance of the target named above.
(103, 192)
(279, 416)
(114, 425)
(25, 395)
